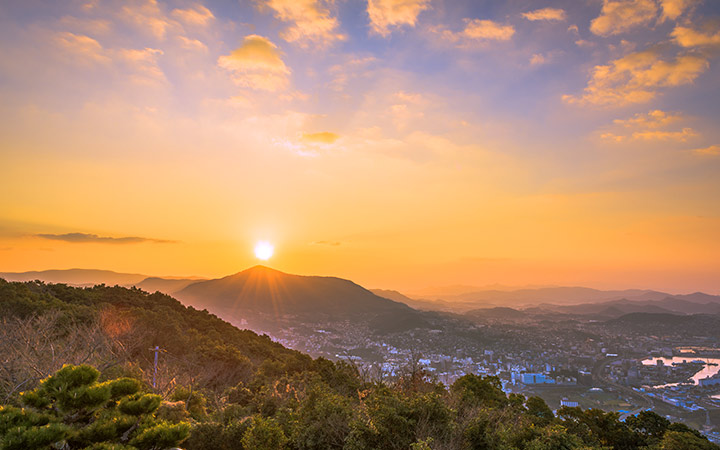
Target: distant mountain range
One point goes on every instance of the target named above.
(92, 277)
(264, 291)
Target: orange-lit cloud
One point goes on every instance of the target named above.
(637, 77)
(197, 15)
(476, 31)
(550, 14)
(672, 9)
(653, 119)
(323, 137)
(688, 37)
(713, 150)
(388, 14)
(619, 16)
(147, 17)
(488, 30)
(652, 126)
(312, 21)
(82, 49)
(257, 64)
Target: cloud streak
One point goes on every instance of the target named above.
(83, 238)
(550, 14)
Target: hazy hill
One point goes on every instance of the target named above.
(165, 285)
(77, 277)
(421, 304)
(271, 295)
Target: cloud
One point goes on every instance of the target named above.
(144, 65)
(329, 243)
(323, 137)
(257, 64)
(687, 37)
(672, 9)
(146, 16)
(537, 59)
(311, 21)
(82, 49)
(488, 30)
(651, 126)
(81, 238)
(620, 16)
(385, 14)
(653, 119)
(197, 15)
(545, 14)
(636, 78)
(192, 44)
(477, 30)
(713, 150)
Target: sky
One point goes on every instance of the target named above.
(398, 143)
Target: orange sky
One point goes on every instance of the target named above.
(398, 144)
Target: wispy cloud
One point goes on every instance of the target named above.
(551, 14)
(652, 126)
(713, 150)
(328, 243)
(81, 238)
(323, 137)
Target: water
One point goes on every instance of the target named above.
(706, 371)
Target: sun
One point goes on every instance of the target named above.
(264, 250)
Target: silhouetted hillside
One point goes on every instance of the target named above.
(261, 293)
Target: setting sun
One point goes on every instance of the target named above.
(264, 250)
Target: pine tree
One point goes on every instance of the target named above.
(72, 410)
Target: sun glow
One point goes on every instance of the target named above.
(264, 250)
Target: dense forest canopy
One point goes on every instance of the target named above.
(77, 372)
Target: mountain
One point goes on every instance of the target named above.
(165, 285)
(421, 304)
(262, 294)
(77, 277)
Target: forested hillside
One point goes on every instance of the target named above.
(221, 388)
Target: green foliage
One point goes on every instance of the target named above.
(264, 434)
(70, 409)
(539, 412)
(323, 420)
(473, 391)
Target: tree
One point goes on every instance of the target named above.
(540, 413)
(71, 410)
(264, 434)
